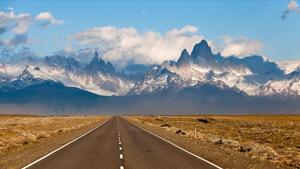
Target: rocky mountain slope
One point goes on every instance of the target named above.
(253, 75)
(98, 76)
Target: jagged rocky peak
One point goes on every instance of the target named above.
(184, 59)
(25, 74)
(97, 64)
(202, 51)
(96, 58)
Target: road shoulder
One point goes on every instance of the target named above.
(213, 153)
(21, 156)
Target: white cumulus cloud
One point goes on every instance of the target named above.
(239, 46)
(46, 18)
(292, 7)
(17, 23)
(128, 44)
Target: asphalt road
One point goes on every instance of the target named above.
(118, 144)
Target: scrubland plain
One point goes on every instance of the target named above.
(248, 141)
(26, 138)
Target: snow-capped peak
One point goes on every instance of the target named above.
(25, 75)
(253, 74)
(97, 64)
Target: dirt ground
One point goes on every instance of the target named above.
(233, 141)
(26, 138)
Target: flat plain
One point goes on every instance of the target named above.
(233, 141)
(24, 138)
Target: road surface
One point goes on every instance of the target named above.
(118, 144)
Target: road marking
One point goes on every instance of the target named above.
(52, 152)
(120, 147)
(218, 167)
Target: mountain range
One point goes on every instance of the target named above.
(200, 81)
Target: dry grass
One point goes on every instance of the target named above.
(19, 131)
(275, 138)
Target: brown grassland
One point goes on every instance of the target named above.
(232, 141)
(25, 138)
(274, 139)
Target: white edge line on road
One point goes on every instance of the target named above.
(179, 147)
(52, 152)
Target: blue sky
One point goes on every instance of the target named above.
(256, 21)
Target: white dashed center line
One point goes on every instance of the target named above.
(120, 148)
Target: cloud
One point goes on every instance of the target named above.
(46, 18)
(239, 46)
(14, 43)
(292, 7)
(122, 45)
(18, 24)
(13, 56)
(18, 39)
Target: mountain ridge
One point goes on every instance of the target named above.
(254, 75)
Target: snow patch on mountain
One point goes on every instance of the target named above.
(289, 66)
(254, 75)
(98, 76)
(158, 79)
